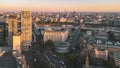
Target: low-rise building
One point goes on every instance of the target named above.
(89, 33)
(63, 47)
(63, 19)
(101, 53)
(117, 59)
(56, 36)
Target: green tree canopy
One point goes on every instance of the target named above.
(72, 58)
(49, 43)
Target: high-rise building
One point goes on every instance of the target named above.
(2, 33)
(12, 28)
(12, 24)
(26, 28)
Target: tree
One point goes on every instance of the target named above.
(73, 29)
(72, 58)
(49, 43)
(41, 43)
(110, 62)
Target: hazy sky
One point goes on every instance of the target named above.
(61, 5)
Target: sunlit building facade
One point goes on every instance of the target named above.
(17, 43)
(56, 36)
(12, 28)
(101, 54)
(26, 28)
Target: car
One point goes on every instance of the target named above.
(61, 66)
(34, 60)
(73, 48)
(71, 38)
(109, 43)
(62, 62)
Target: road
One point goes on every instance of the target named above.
(46, 55)
(52, 59)
(33, 56)
(38, 58)
(73, 40)
(6, 59)
(75, 37)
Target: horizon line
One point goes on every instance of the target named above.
(54, 11)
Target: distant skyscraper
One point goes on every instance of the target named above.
(26, 27)
(12, 28)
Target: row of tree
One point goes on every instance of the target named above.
(47, 44)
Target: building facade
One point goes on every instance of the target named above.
(2, 34)
(56, 36)
(12, 28)
(63, 47)
(17, 43)
(26, 28)
(116, 57)
(102, 54)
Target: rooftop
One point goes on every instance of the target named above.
(12, 16)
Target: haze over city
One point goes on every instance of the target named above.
(61, 5)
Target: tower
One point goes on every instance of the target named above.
(12, 28)
(26, 28)
(87, 62)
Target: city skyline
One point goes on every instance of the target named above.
(78, 35)
(61, 5)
